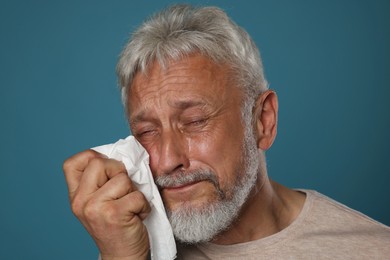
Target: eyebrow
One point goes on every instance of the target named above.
(185, 104)
(182, 105)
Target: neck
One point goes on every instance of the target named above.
(269, 209)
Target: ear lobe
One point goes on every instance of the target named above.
(266, 118)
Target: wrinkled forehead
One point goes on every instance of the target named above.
(195, 73)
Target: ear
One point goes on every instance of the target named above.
(265, 119)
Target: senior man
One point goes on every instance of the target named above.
(195, 94)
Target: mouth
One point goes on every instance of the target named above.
(188, 192)
(180, 187)
(194, 187)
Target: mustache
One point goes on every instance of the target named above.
(183, 177)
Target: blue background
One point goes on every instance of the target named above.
(328, 61)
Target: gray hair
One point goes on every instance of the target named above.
(181, 30)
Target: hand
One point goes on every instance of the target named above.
(109, 206)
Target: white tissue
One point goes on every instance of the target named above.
(136, 161)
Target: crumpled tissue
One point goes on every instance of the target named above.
(136, 160)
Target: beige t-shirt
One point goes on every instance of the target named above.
(325, 229)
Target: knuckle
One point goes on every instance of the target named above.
(111, 214)
(96, 213)
(77, 206)
(72, 162)
(140, 202)
(92, 211)
(124, 179)
(67, 165)
(138, 196)
(97, 163)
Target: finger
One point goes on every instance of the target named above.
(133, 204)
(97, 173)
(115, 188)
(74, 167)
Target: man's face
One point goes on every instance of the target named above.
(188, 118)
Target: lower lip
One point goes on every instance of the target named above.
(181, 188)
(184, 191)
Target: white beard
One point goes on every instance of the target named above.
(201, 224)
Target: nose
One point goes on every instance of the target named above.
(172, 153)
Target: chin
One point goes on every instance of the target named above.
(199, 223)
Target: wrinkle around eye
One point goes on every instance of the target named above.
(196, 125)
(197, 122)
(145, 132)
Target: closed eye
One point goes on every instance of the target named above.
(194, 125)
(145, 133)
(197, 122)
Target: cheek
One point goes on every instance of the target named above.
(199, 145)
(153, 157)
(220, 151)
